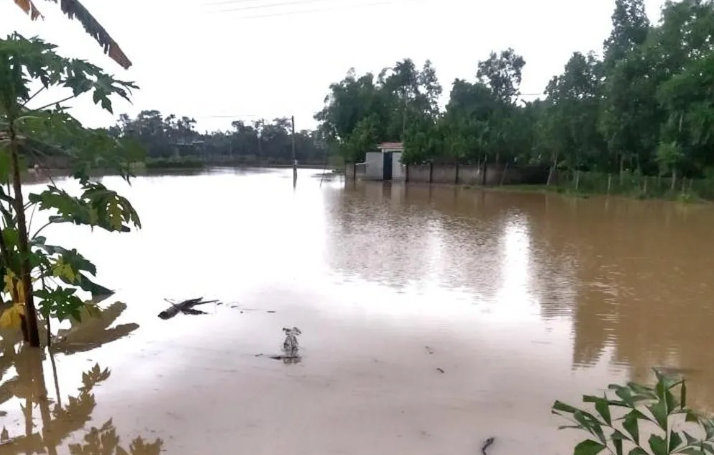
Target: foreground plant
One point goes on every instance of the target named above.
(675, 428)
(39, 276)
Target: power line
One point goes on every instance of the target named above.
(269, 5)
(288, 13)
(229, 2)
(228, 116)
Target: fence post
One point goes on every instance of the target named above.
(431, 172)
(456, 177)
(577, 180)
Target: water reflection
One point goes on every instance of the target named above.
(634, 278)
(93, 332)
(62, 420)
(405, 236)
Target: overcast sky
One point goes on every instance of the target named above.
(222, 60)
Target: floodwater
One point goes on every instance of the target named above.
(432, 318)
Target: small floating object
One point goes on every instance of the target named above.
(440, 370)
(486, 444)
(185, 307)
(290, 345)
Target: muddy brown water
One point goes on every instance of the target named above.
(432, 318)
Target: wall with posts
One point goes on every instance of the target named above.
(419, 173)
(464, 174)
(469, 174)
(444, 173)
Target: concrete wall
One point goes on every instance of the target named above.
(375, 166)
(444, 173)
(419, 173)
(469, 174)
(397, 168)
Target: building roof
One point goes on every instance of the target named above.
(391, 146)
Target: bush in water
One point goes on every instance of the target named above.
(670, 427)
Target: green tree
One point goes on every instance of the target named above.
(39, 276)
(573, 108)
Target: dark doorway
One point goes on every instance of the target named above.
(387, 166)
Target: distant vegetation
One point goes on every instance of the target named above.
(172, 141)
(636, 118)
(644, 107)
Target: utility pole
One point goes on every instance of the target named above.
(292, 137)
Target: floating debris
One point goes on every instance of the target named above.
(185, 307)
(429, 349)
(290, 345)
(440, 370)
(486, 444)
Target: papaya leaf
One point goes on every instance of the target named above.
(11, 317)
(658, 445)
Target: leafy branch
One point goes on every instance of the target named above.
(31, 268)
(658, 406)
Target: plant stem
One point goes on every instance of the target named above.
(33, 96)
(52, 104)
(25, 266)
(41, 228)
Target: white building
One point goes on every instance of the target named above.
(386, 164)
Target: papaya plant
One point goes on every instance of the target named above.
(672, 427)
(41, 279)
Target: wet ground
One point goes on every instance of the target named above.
(431, 319)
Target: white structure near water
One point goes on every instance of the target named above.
(386, 164)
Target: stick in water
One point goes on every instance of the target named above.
(486, 444)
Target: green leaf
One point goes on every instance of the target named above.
(693, 451)
(60, 303)
(590, 423)
(617, 435)
(601, 406)
(691, 440)
(559, 406)
(658, 445)
(708, 425)
(641, 390)
(625, 394)
(618, 446)
(631, 425)
(691, 416)
(672, 403)
(675, 440)
(588, 447)
(638, 451)
(659, 411)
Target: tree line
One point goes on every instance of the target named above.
(175, 138)
(646, 106)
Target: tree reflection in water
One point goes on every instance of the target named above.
(62, 421)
